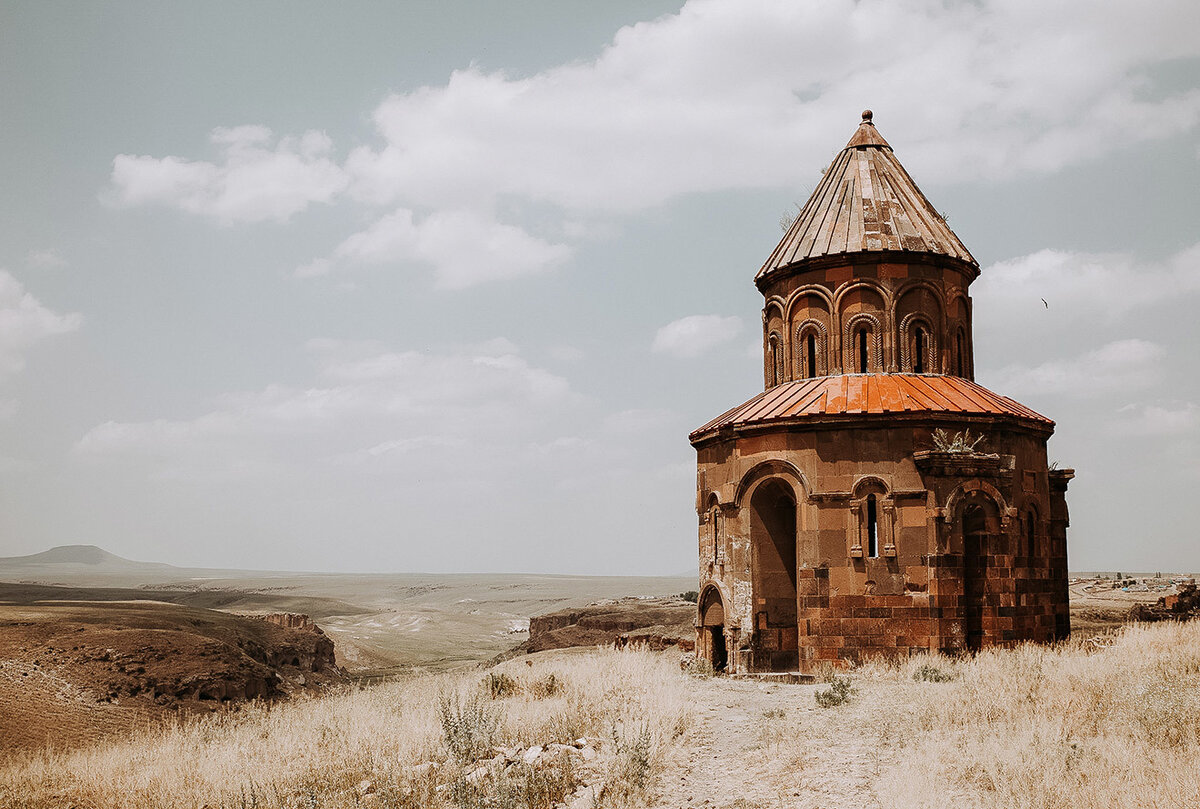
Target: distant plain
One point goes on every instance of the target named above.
(380, 623)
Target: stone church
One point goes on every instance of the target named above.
(873, 499)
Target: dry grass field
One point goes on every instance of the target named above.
(1082, 724)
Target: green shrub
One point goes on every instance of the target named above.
(629, 772)
(499, 684)
(469, 727)
(698, 666)
(838, 692)
(931, 674)
(547, 686)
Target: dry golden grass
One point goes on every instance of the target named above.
(1067, 726)
(317, 752)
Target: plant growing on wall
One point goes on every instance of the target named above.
(961, 441)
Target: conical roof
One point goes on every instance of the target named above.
(866, 203)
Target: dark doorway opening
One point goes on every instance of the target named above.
(773, 537)
(720, 656)
(975, 547)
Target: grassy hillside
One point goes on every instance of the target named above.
(1079, 725)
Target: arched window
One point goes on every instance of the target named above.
(715, 531)
(809, 353)
(872, 527)
(1030, 534)
(863, 355)
(919, 351)
(774, 360)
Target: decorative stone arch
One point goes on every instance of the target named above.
(867, 484)
(1030, 520)
(913, 283)
(778, 304)
(712, 521)
(776, 360)
(958, 334)
(850, 351)
(871, 530)
(955, 295)
(714, 593)
(908, 360)
(863, 283)
(969, 488)
(978, 520)
(805, 291)
(961, 354)
(712, 622)
(800, 354)
(772, 468)
(882, 324)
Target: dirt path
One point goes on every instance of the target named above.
(768, 745)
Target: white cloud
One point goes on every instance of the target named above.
(640, 421)
(691, 336)
(1120, 366)
(726, 94)
(1170, 419)
(48, 258)
(24, 322)
(736, 94)
(368, 403)
(252, 182)
(465, 248)
(567, 353)
(1077, 285)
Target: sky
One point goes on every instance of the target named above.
(440, 287)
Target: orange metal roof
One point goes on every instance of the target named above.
(870, 394)
(866, 202)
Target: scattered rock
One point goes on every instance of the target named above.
(478, 775)
(532, 754)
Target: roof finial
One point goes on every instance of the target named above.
(867, 117)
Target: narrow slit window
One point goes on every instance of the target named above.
(862, 351)
(958, 340)
(1031, 536)
(773, 357)
(812, 356)
(872, 528)
(919, 351)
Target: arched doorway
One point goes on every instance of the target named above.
(773, 540)
(975, 564)
(712, 629)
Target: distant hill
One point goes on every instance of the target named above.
(88, 555)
